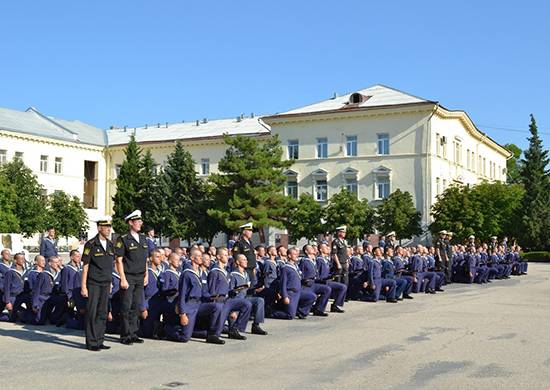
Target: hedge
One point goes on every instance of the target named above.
(536, 256)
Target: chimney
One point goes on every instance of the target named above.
(146, 126)
(166, 124)
(252, 115)
(239, 119)
(124, 128)
(204, 120)
(242, 116)
(158, 125)
(335, 95)
(197, 122)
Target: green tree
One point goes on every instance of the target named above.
(249, 187)
(535, 206)
(397, 213)
(305, 219)
(66, 213)
(185, 194)
(345, 209)
(30, 201)
(128, 183)
(8, 201)
(513, 164)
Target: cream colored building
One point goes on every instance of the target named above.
(372, 142)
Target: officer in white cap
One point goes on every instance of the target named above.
(391, 242)
(131, 259)
(244, 247)
(98, 258)
(340, 256)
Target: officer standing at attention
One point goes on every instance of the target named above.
(441, 256)
(98, 257)
(48, 246)
(131, 262)
(340, 254)
(245, 247)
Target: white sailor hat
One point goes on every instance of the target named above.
(442, 232)
(392, 233)
(472, 236)
(342, 228)
(450, 233)
(104, 221)
(247, 226)
(135, 215)
(494, 237)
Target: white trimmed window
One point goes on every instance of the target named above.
(43, 163)
(293, 149)
(18, 156)
(351, 145)
(292, 189)
(438, 186)
(58, 166)
(382, 187)
(321, 190)
(117, 170)
(351, 185)
(322, 148)
(3, 156)
(383, 143)
(205, 166)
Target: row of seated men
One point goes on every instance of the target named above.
(219, 288)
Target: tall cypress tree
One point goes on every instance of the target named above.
(128, 185)
(153, 201)
(534, 177)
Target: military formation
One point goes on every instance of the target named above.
(139, 291)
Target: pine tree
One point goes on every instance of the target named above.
(8, 199)
(397, 213)
(66, 213)
(305, 219)
(29, 202)
(249, 187)
(535, 206)
(128, 185)
(513, 164)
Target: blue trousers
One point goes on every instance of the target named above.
(52, 310)
(208, 312)
(240, 305)
(300, 301)
(420, 277)
(258, 308)
(380, 284)
(338, 292)
(154, 310)
(322, 292)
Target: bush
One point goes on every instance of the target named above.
(536, 256)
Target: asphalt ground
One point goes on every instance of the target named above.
(494, 336)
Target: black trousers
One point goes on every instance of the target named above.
(129, 307)
(96, 313)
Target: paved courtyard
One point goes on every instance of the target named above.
(470, 337)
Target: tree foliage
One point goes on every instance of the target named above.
(67, 214)
(397, 213)
(305, 219)
(513, 164)
(345, 209)
(8, 220)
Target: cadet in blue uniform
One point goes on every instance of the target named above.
(270, 278)
(5, 265)
(131, 255)
(98, 257)
(294, 301)
(47, 301)
(418, 265)
(150, 236)
(48, 246)
(192, 308)
(169, 285)
(401, 271)
(325, 275)
(13, 295)
(236, 310)
(151, 302)
(376, 283)
(240, 287)
(308, 266)
(402, 286)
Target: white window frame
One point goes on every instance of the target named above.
(321, 189)
(291, 188)
(205, 166)
(383, 144)
(3, 156)
(385, 181)
(293, 149)
(352, 185)
(58, 165)
(44, 163)
(351, 146)
(322, 147)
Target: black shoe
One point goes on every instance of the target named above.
(391, 300)
(234, 334)
(319, 313)
(103, 346)
(257, 330)
(137, 340)
(336, 309)
(126, 341)
(407, 296)
(301, 316)
(213, 339)
(94, 348)
(440, 290)
(430, 291)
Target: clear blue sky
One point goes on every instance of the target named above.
(136, 62)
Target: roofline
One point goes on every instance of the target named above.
(471, 127)
(42, 138)
(353, 109)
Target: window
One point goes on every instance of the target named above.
(383, 144)
(3, 157)
(18, 156)
(438, 145)
(457, 152)
(293, 149)
(351, 145)
(468, 162)
(444, 184)
(351, 186)
(484, 166)
(321, 190)
(117, 170)
(90, 185)
(58, 167)
(383, 188)
(43, 163)
(322, 148)
(205, 166)
(292, 189)
(437, 186)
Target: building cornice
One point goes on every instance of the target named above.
(471, 128)
(50, 141)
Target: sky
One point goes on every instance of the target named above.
(136, 62)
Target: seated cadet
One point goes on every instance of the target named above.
(505, 261)
(32, 274)
(13, 295)
(435, 280)
(150, 308)
(401, 271)
(69, 274)
(482, 274)
(115, 302)
(239, 285)
(47, 301)
(430, 257)
(419, 276)
(5, 266)
(294, 301)
(494, 261)
(403, 286)
(325, 276)
(357, 268)
(80, 305)
(375, 283)
(169, 285)
(191, 306)
(235, 310)
(308, 267)
(270, 277)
